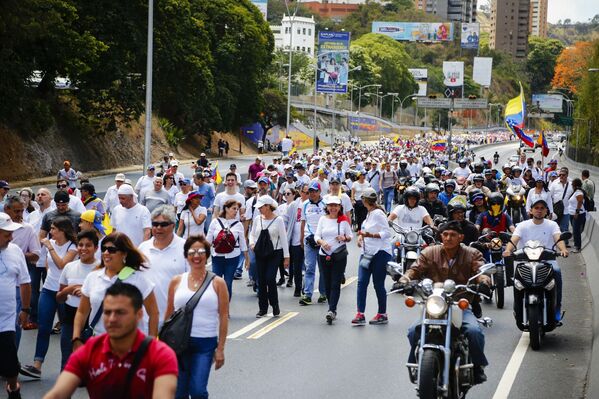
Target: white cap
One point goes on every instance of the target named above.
(119, 177)
(332, 199)
(174, 162)
(265, 200)
(7, 224)
(170, 154)
(126, 189)
(203, 154)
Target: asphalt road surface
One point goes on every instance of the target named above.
(299, 356)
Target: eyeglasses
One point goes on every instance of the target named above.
(62, 186)
(111, 250)
(194, 252)
(288, 193)
(161, 224)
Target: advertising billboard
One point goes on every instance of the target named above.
(262, 6)
(548, 102)
(421, 77)
(470, 35)
(453, 72)
(482, 69)
(415, 31)
(365, 124)
(333, 62)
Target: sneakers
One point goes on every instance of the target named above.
(250, 283)
(359, 320)
(297, 293)
(305, 300)
(260, 314)
(289, 282)
(281, 281)
(276, 311)
(16, 394)
(322, 298)
(56, 329)
(31, 371)
(575, 250)
(479, 375)
(330, 317)
(237, 276)
(379, 318)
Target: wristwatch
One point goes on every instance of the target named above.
(26, 310)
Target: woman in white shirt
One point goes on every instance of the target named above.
(210, 320)
(182, 195)
(225, 257)
(539, 192)
(356, 196)
(294, 233)
(374, 239)
(577, 213)
(333, 233)
(72, 278)
(267, 260)
(193, 216)
(170, 186)
(61, 250)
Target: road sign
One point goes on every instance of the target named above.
(425, 102)
(467, 103)
(540, 115)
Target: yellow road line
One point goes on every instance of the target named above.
(273, 325)
(249, 327)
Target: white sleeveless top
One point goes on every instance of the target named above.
(205, 315)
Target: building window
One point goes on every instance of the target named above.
(304, 31)
(309, 32)
(298, 48)
(299, 31)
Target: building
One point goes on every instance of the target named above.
(449, 10)
(304, 30)
(509, 26)
(538, 18)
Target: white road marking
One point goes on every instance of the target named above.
(511, 370)
(273, 325)
(249, 327)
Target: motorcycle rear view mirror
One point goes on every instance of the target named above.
(488, 269)
(505, 237)
(566, 235)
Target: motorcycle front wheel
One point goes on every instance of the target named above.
(534, 326)
(430, 375)
(499, 288)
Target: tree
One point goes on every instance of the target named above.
(588, 106)
(273, 111)
(540, 62)
(571, 66)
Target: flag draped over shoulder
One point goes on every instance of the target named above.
(515, 111)
(216, 175)
(439, 145)
(542, 141)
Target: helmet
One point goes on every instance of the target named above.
(426, 171)
(479, 178)
(495, 202)
(428, 178)
(462, 161)
(539, 178)
(455, 206)
(431, 188)
(476, 194)
(449, 183)
(403, 163)
(488, 172)
(411, 191)
(478, 167)
(506, 166)
(516, 169)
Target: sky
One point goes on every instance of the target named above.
(576, 10)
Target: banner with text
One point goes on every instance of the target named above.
(420, 75)
(415, 31)
(453, 72)
(470, 35)
(333, 62)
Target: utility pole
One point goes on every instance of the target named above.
(148, 127)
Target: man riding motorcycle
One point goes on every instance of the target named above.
(496, 158)
(452, 260)
(448, 191)
(433, 205)
(456, 210)
(478, 200)
(490, 181)
(495, 218)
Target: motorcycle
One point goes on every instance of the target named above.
(444, 367)
(496, 159)
(400, 187)
(407, 244)
(535, 289)
(515, 200)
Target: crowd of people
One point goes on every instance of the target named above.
(84, 266)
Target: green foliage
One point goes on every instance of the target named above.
(273, 110)
(540, 62)
(174, 135)
(588, 106)
(569, 33)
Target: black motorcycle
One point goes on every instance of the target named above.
(407, 244)
(535, 289)
(444, 367)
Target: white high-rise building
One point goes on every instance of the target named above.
(303, 34)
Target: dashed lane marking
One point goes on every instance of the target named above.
(511, 370)
(249, 327)
(273, 325)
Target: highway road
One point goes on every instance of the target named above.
(299, 356)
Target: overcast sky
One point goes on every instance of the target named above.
(576, 10)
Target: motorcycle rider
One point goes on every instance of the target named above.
(452, 260)
(456, 210)
(506, 176)
(431, 202)
(495, 218)
(403, 169)
(547, 232)
(462, 170)
(448, 191)
(479, 204)
(516, 178)
(496, 158)
(411, 215)
(478, 183)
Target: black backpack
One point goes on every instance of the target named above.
(264, 247)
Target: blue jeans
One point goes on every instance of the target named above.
(194, 368)
(564, 224)
(252, 271)
(47, 308)
(310, 262)
(470, 328)
(388, 194)
(577, 228)
(240, 264)
(378, 270)
(17, 326)
(207, 222)
(225, 268)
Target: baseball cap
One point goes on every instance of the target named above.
(62, 197)
(151, 167)
(4, 184)
(263, 179)
(232, 166)
(332, 199)
(314, 186)
(7, 224)
(119, 177)
(185, 181)
(334, 180)
(174, 163)
(369, 193)
(170, 154)
(95, 217)
(125, 189)
(249, 184)
(203, 154)
(192, 195)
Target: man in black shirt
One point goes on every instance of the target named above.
(61, 199)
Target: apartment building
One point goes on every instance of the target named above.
(538, 18)
(510, 26)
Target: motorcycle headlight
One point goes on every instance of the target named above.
(412, 237)
(517, 197)
(436, 306)
(533, 253)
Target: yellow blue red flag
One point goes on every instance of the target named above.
(542, 141)
(216, 175)
(439, 145)
(515, 111)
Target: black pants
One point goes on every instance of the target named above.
(361, 212)
(332, 272)
(267, 280)
(296, 264)
(38, 276)
(9, 366)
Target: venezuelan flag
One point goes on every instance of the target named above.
(514, 118)
(216, 175)
(439, 145)
(542, 141)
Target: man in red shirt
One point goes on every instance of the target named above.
(255, 168)
(103, 363)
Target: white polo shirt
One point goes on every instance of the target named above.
(13, 272)
(132, 221)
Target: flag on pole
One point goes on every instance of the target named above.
(293, 151)
(216, 175)
(542, 141)
(439, 145)
(515, 111)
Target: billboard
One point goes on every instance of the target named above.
(333, 62)
(482, 69)
(548, 102)
(415, 31)
(470, 35)
(365, 124)
(420, 75)
(262, 6)
(453, 72)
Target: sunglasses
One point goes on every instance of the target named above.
(288, 193)
(111, 250)
(161, 224)
(194, 252)
(62, 186)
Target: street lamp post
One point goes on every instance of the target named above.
(360, 94)
(292, 19)
(401, 106)
(148, 127)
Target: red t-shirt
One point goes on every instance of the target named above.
(104, 373)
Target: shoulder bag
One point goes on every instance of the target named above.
(340, 253)
(558, 207)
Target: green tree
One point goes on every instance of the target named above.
(540, 62)
(588, 106)
(273, 111)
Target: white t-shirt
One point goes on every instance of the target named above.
(54, 272)
(132, 221)
(222, 198)
(163, 265)
(180, 199)
(191, 227)
(328, 230)
(73, 273)
(461, 172)
(573, 203)
(312, 213)
(409, 218)
(543, 232)
(97, 282)
(236, 229)
(376, 223)
(286, 144)
(144, 183)
(13, 273)
(359, 189)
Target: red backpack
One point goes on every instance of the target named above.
(224, 242)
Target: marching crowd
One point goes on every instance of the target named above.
(84, 266)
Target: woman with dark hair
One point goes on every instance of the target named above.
(357, 189)
(31, 213)
(227, 238)
(120, 261)
(538, 191)
(210, 320)
(61, 250)
(294, 225)
(577, 213)
(168, 181)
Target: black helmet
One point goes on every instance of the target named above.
(479, 178)
(462, 161)
(449, 183)
(495, 199)
(411, 191)
(478, 167)
(428, 177)
(455, 206)
(475, 194)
